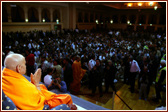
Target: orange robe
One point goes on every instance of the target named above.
(26, 96)
(78, 74)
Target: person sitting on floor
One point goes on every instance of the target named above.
(47, 78)
(56, 81)
(28, 95)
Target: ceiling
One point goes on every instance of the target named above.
(120, 5)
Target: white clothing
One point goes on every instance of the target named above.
(47, 79)
(134, 66)
(91, 64)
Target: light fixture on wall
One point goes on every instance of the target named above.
(155, 7)
(128, 21)
(26, 20)
(111, 21)
(57, 20)
(97, 21)
(43, 20)
(140, 24)
(150, 24)
(150, 3)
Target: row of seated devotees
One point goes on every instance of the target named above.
(28, 95)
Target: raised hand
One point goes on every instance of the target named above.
(35, 79)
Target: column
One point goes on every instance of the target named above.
(70, 15)
(89, 17)
(119, 21)
(51, 14)
(26, 12)
(8, 8)
(61, 15)
(128, 17)
(158, 18)
(147, 18)
(136, 21)
(83, 13)
(39, 11)
(74, 16)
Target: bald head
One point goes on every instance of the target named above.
(15, 62)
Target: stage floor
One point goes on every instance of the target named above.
(127, 100)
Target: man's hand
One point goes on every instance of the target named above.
(35, 79)
(72, 106)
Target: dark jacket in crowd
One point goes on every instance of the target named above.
(68, 74)
(97, 75)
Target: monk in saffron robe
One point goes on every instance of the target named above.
(78, 74)
(28, 95)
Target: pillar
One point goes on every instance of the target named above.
(8, 8)
(51, 14)
(119, 21)
(136, 21)
(158, 18)
(72, 16)
(147, 18)
(26, 12)
(39, 11)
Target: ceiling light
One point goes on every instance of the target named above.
(129, 4)
(150, 3)
(139, 4)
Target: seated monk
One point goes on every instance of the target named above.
(28, 95)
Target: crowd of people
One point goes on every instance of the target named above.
(92, 55)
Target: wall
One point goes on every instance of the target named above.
(25, 27)
(124, 26)
(84, 26)
(146, 12)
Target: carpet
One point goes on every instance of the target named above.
(84, 91)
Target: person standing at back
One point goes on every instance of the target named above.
(110, 76)
(30, 62)
(73, 57)
(97, 77)
(91, 64)
(44, 67)
(68, 74)
(134, 69)
(160, 81)
(58, 68)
